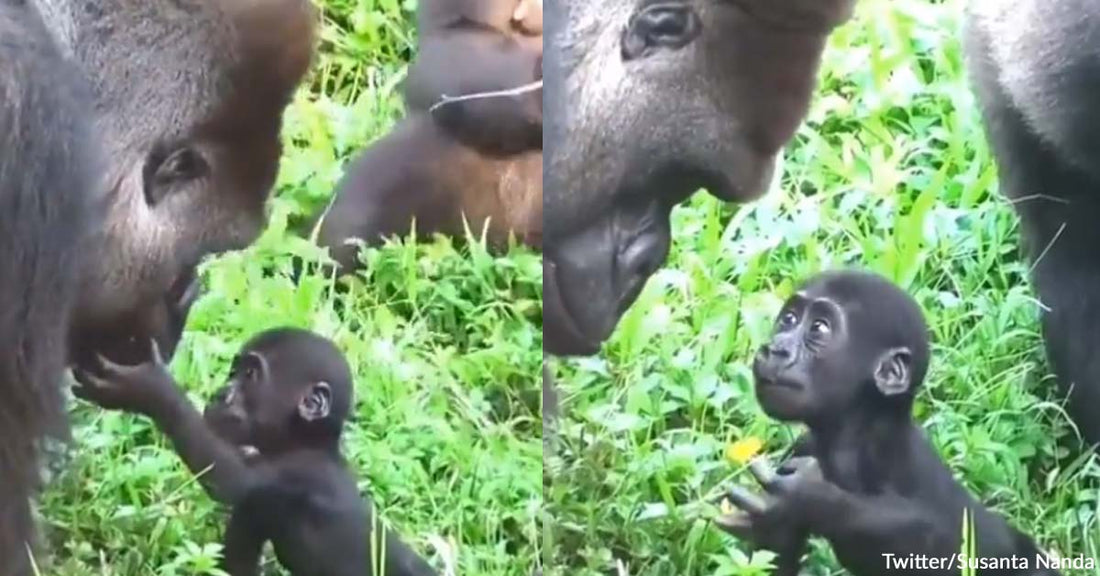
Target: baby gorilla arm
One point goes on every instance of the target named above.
(862, 528)
(149, 389)
(243, 547)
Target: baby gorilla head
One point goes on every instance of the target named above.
(287, 389)
(844, 340)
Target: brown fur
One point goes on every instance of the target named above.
(506, 192)
(477, 163)
(386, 189)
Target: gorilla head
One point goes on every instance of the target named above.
(188, 102)
(659, 98)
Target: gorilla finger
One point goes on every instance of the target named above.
(155, 351)
(190, 295)
(90, 388)
(110, 369)
(799, 462)
(746, 500)
(86, 379)
(763, 471)
(737, 524)
(86, 393)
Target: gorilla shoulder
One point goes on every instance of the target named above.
(1039, 56)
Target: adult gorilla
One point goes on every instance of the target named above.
(654, 100)
(136, 138)
(1034, 67)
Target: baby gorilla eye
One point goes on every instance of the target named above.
(787, 319)
(820, 327)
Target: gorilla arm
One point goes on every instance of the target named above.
(149, 389)
(863, 528)
(798, 501)
(470, 61)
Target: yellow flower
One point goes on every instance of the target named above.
(743, 450)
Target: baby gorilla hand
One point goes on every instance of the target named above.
(772, 521)
(142, 389)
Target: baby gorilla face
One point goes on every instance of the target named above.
(806, 368)
(846, 339)
(234, 413)
(225, 415)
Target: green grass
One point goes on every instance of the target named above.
(445, 343)
(892, 173)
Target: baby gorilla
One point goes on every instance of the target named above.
(453, 161)
(850, 351)
(269, 447)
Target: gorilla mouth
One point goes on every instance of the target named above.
(773, 379)
(777, 383)
(561, 334)
(126, 340)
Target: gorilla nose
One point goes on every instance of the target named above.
(777, 354)
(778, 351)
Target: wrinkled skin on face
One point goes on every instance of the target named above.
(189, 97)
(810, 353)
(661, 98)
(845, 341)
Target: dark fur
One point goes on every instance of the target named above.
(88, 247)
(469, 46)
(46, 211)
(881, 487)
(1036, 84)
(295, 490)
(476, 161)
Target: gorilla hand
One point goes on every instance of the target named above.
(141, 389)
(773, 522)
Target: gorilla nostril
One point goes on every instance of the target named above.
(779, 352)
(670, 25)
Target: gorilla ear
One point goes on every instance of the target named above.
(316, 403)
(892, 373)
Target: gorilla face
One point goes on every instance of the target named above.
(188, 104)
(661, 98)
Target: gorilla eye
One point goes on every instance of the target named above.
(165, 169)
(820, 327)
(788, 319)
(669, 25)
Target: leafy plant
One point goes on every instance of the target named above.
(444, 339)
(890, 172)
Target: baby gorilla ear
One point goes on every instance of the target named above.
(316, 403)
(892, 371)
